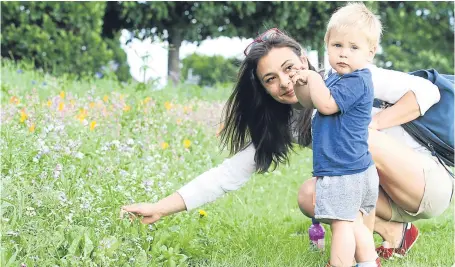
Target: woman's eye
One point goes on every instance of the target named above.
(269, 80)
(337, 45)
(288, 68)
(355, 47)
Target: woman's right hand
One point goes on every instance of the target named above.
(150, 212)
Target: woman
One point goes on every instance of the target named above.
(263, 117)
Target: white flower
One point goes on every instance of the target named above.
(79, 155)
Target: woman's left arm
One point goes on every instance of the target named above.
(412, 96)
(405, 110)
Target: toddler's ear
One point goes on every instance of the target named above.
(372, 53)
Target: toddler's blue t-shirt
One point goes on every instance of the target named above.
(340, 140)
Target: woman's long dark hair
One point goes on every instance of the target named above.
(251, 115)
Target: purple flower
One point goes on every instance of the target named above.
(20, 71)
(99, 75)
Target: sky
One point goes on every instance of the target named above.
(156, 61)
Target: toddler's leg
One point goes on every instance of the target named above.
(365, 253)
(343, 243)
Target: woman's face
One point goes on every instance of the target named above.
(273, 71)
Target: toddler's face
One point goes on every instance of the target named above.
(349, 51)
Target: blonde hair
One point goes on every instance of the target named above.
(358, 17)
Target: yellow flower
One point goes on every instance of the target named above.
(179, 121)
(168, 105)
(49, 103)
(126, 108)
(32, 128)
(62, 94)
(147, 99)
(91, 105)
(61, 105)
(23, 116)
(186, 143)
(92, 125)
(105, 98)
(202, 213)
(81, 116)
(164, 145)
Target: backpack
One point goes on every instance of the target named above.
(434, 130)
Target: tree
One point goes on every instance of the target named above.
(196, 21)
(59, 37)
(417, 35)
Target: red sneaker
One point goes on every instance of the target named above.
(410, 236)
(385, 253)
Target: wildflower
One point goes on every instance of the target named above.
(202, 213)
(105, 98)
(32, 128)
(82, 114)
(23, 115)
(72, 102)
(168, 105)
(179, 121)
(15, 100)
(147, 99)
(187, 109)
(164, 145)
(91, 105)
(92, 125)
(49, 103)
(61, 106)
(186, 143)
(126, 108)
(62, 94)
(20, 71)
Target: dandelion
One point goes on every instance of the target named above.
(126, 108)
(23, 116)
(186, 143)
(105, 98)
(202, 213)
(32, 128)
(49, 103)
(92, 125)
(168, 105)
(164, 145)
(61, 106)
(62, 94)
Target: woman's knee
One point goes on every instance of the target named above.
(305, 197)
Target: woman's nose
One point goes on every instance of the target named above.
(284, 80)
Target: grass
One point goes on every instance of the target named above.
(64, 181)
